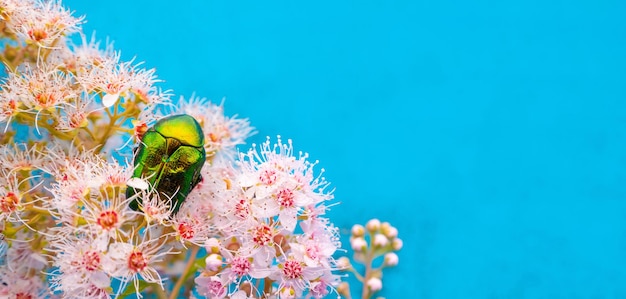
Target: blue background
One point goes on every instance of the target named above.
(491, 133)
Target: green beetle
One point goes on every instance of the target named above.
(170, 157)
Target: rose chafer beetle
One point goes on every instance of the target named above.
(170, 157)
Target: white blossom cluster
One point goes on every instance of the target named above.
(253, 227)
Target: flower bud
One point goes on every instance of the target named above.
(384, 226)
(373, 225)
(396, 244)
(212, 245)
(380, 240)
(374, 284)
(343, 289)
(391, 259)
(358, 230)
(358, 244)
(389, 231)
(343, 263)
(213, 262)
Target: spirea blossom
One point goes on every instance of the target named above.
(260, 200)
(221, 133)
(73, 114)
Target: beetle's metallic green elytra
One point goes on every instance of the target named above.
(170, 157)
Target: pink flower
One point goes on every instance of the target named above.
(221, 133)
(211, 287)
(137, 259)
(80, 270)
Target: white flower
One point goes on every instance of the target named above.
(74, 115)
(105, 211)
(20, 156)
(15, 285)
(128, 261)
(294, 273)
(221, 133)
(120, 80)
(191, 228)
(322, 286)
(279, 184)
(41, 22)
(22, 258)
(13, 196)
(79, 260)
(211, 286)
(240, 265)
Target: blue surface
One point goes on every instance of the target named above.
(492, 134)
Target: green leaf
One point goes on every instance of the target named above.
(130, 288)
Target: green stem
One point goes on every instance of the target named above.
(369, 259)
(160, 293)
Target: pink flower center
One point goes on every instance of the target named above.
(242, 210)
(262, 235)
(313, 252)
(216, 288)
(292, 269)
(268, 176)
(91, 260)
(285, 198)
(240, 266)
(136, 261)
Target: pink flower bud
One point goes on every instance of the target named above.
(391, 259)
(380, 240)
(358, 230)
(391, 232)
(396, 244)
(212, 245)
(374, 284)
(343, 263)
(373, 225)
(213, 262)
(358, 244)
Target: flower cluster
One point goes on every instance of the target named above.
(269, 210)
(369, 243)
(253, 225)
